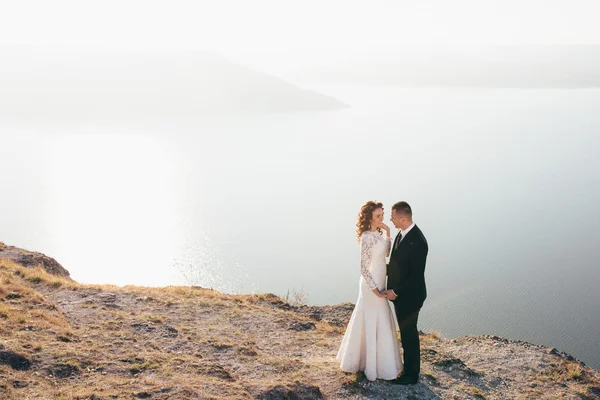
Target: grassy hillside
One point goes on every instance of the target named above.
(65, 340)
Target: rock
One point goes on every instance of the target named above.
(220, 346)
(563, 355)
(215, 370)
(106, 297)
(19, 384)
(276, 301)
(14, 360)
(143, 327)
(316, 315)
(302, 326)
(170, 332)
(497, 381)
(337, 315)
(31, 259)
(248, 351)
(178, 346)
(295, 391)
(454, 364)
(64, 369)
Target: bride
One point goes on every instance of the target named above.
(370, 343)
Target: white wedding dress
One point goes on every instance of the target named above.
(370, 343)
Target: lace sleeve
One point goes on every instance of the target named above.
(388, 246)
(366, 251)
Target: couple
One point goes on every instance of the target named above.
(370, 343)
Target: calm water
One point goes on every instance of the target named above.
(505, 185)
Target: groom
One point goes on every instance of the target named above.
(406, 287)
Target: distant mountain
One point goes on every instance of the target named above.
(489, 66)
(82, 84)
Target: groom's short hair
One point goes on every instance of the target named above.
(403, 208)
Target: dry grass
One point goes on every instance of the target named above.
(38, 275)
(297, 298)
(4, 311)
(575, 372)
(565, 371)
(21, 304)
(587, 393)
(434, 335)
(176, 342)
(471, 391)
(105, 341)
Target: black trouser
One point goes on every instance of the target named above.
(410, 343)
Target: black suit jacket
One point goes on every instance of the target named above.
(406, 272)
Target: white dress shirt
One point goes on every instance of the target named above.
(404, 232)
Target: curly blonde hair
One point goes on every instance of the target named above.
(365, 216)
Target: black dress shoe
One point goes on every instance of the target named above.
(405, 380)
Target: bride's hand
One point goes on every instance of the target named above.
(385, 228)
(379, 293)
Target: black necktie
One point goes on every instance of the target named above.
(398, 240)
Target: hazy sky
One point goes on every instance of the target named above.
(266, 33)
(227, 25)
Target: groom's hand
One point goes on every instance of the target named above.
(390, 295)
